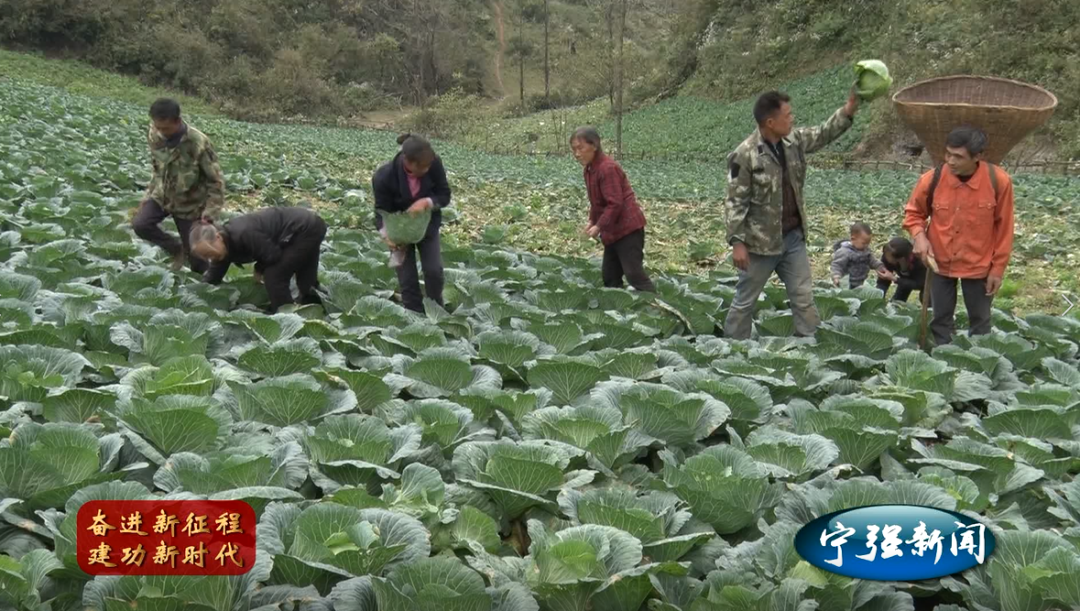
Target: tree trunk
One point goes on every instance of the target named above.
(500, 54)
(431, 59)
(547, 69)
(609, 16)
(619, 80)
(521, 53)
(421, 86)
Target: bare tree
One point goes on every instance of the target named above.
(521, 51)
(609, 17)
(605, 69)
(417, 25)
(547, 69)
(414, 23)
(619, 69)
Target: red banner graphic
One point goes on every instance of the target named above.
(165, 537)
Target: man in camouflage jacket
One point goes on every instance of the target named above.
(187, 183)
(766, 218)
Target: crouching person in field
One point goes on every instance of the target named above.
(281, 242)
(903, 268)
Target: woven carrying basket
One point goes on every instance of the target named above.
(1006, 110)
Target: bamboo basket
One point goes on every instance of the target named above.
(1007, 110)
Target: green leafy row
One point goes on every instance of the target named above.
(543, 443)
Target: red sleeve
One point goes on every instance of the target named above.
(594, 207)
(611, 192)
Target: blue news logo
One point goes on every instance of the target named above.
(895, 542)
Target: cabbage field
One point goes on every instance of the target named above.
(543, 444)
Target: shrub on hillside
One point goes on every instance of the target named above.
(452, 113)
(307, 58)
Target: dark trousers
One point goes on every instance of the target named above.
(430, 263)
(627, 257)
(300, 258)
(943, 298)
(904, 288)
(147, 223)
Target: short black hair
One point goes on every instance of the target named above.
(971, 138)
(898, 247)
(587, 134)
(164, 109)
(768, 104)
(416, 148)
(861, 227)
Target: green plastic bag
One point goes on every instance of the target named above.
(873, 79)
(404, 229)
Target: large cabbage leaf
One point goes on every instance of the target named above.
(329, 542)
(45, 464)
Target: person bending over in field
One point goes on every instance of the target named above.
(969, 205)
(413, 182)
(187, 183)
(614, 214)
(766, 219)
(281, 242)
(853, 257)
(903, 268)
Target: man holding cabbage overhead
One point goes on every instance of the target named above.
(410, 193)
(766, 218)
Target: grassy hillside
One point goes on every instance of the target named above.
(687, 128)
(538, 203)
(725, 52)
(80, 78)
(739, 45)
(579, 49)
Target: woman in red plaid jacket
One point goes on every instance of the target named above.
(614, 214)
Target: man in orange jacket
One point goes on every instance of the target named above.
(970, 235)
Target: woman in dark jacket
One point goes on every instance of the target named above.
(903, 268)
(614, 214)
(281, 242)
(412, 182)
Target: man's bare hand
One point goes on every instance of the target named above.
(885, 274)
(419, 206)
(258, 277)
(741, 257)
(852, 105)
(923, 250)
(993, 285)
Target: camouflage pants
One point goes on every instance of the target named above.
(793, 268)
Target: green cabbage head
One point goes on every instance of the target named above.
(873, 79)
(404, 229)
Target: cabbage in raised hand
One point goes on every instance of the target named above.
(873, 80)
